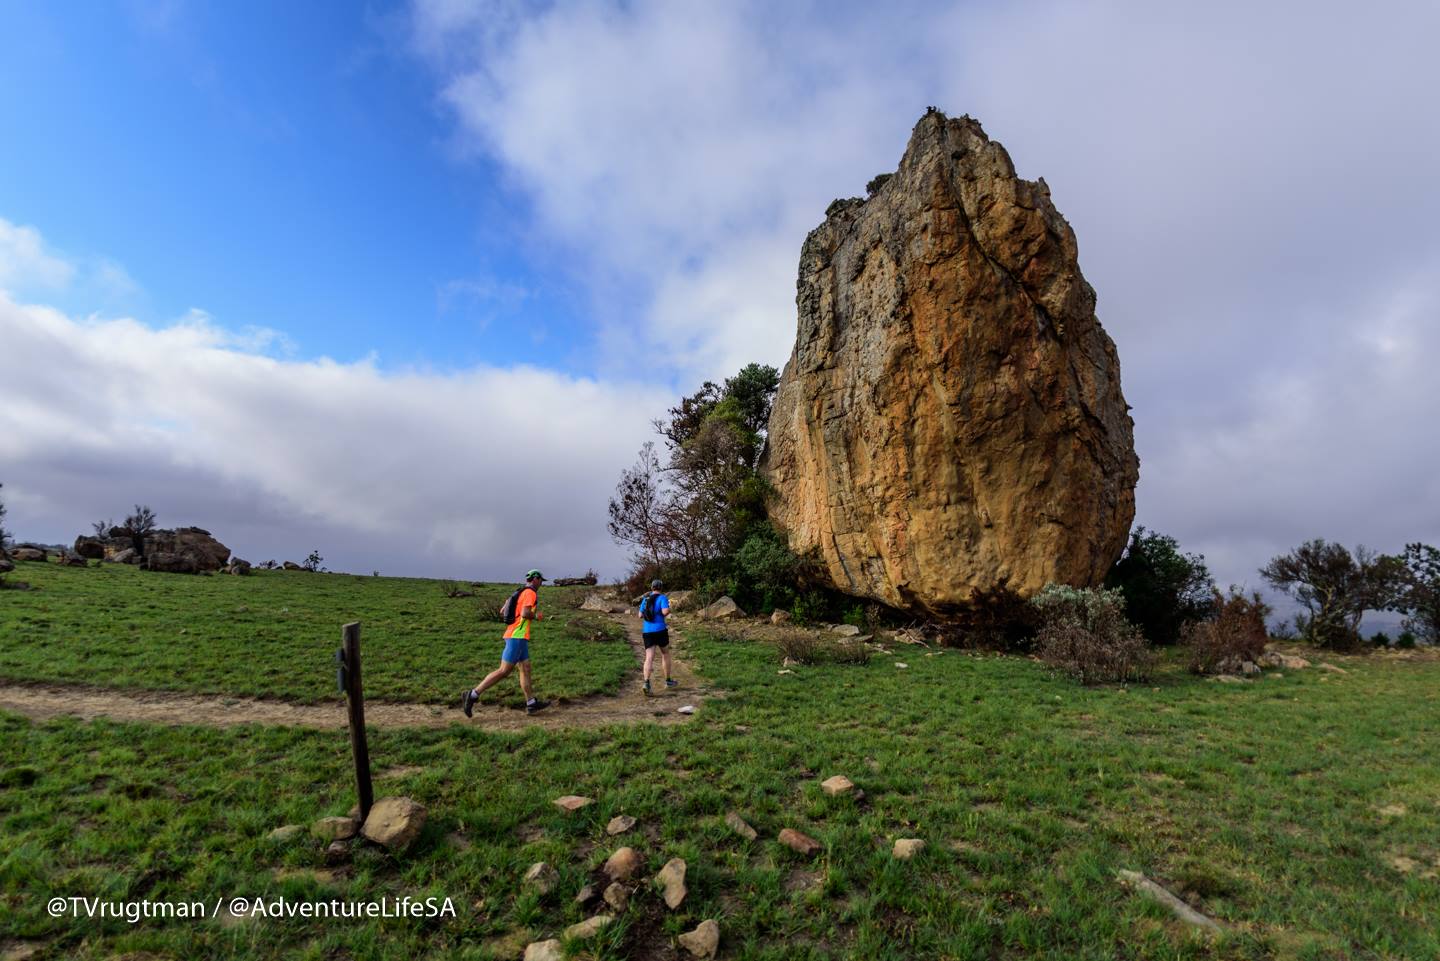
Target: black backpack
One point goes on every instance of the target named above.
(648, 610)
(507, 611)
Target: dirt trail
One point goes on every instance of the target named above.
(41, 701)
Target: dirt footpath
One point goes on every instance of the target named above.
(42, 701)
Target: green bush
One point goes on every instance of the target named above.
(763, 571)
(855, 616)
(1084, 634)
(1380, 639)
(995, 619)
(1405, 640)
(1164, 589)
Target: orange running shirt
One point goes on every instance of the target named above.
(521, 627)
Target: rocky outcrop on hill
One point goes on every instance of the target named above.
(185, 550)
(951, 416)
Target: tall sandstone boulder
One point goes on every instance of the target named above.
(951, 416)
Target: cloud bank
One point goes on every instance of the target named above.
(478, 474)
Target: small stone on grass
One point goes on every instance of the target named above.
(703, 941)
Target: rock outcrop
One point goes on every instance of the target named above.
(185, 550)
(951, 418)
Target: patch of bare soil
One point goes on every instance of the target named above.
(629, 706)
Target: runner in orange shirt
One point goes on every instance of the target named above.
(517, 649)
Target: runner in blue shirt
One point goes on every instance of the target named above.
(654, 608)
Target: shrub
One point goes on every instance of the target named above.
(1405, 640)
(1164, 589)
(850, 651)
(1084, 634)
(1380, 639)
(1236, 633)
(803, 647)
(855, 616)
(313, 561)
(455, 589)
(764, 571)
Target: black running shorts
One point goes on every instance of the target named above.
(660, 638)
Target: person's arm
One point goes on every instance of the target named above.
(531, 612)
(665, 611)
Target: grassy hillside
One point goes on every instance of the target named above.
(1303, 811)
(274, 634)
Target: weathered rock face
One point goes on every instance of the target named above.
(951, 416)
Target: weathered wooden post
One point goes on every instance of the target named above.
(349, 657)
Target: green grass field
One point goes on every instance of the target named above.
(274, 634)
(1284, 807)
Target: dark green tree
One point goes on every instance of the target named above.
(1164, 589)
(1336, 588)
(1419, 595)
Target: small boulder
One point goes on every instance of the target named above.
(845, 630)
(571, 803)
(337, 852)
(286, 832)
(7, 566)
(89, 547)
(544, 951)
(685, 709)
(596, 602)
(907, 848)
(588, 928)
(292, 566)
(1288, 661)
(617, 896)
(127, 556)
(837, 786)
(622, 865)
(780, 617)
(703, 941)
(1249, 668)
(585, 895)
(541, 877)
(619, 824)
(672, 882)
(1327, 666)
(28, 554)
(722, 610)
(798, 842)
(334, 828)
(740, 827)
(394, 822)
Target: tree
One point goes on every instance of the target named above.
(1336, 588)
(635, 510)
(1419, 594)
(313, 562)
(102, 528)
(1164, 589)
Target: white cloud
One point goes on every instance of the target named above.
(481, 473)
(26, 264)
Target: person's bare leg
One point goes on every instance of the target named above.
(649, 662)
(525, 680)
(494, 677)
(665, 656)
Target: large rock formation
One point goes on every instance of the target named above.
(951, 416)
(186, 550)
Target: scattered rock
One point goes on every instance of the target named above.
(798, 842)
(740, 827)
(778, 616)
(335, 828)
(1229, 679)
(619, 824)
(785, 671)
(901, 665)
(73, 560)
(945, 332)
(28, 554)
(7, 566)
(605, 605)
(541, 877)
(571, 803)
(285, 832)
(1327, 666)
(585, 895)
(845, 630)
(617, 896)
(127, 556)
(1249, 668)
(722, 610)
(703, 941)
(394, 822)
(672, 882)
(1139, 882)
(544, 951)
(837, 786)
(907, 848)
(622, 865)
(291, 566)
(337, 852)
(588, 928)
(1289, 662)
(686, 709)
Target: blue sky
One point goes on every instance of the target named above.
(318, 275)
(276, 164)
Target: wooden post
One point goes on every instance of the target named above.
(355, 700)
